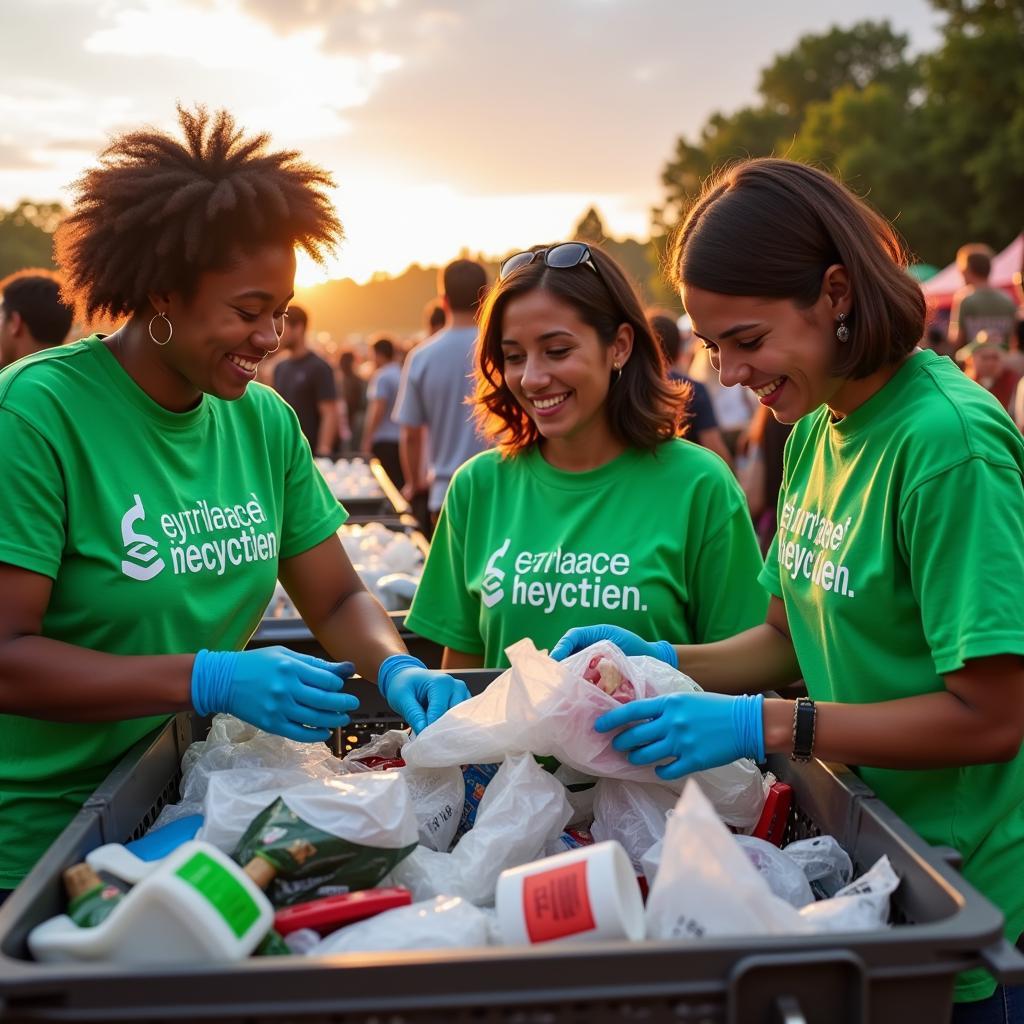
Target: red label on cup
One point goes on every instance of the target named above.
(556, 903)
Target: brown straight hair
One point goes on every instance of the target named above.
(644, 407)
(771, 228)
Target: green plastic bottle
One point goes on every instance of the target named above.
(90, 899)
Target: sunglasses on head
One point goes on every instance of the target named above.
(563, 256)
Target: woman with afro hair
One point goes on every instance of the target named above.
(153, 493)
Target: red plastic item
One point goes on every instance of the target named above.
(775, 814)
(331, 912)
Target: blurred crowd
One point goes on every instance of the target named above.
(402, 399)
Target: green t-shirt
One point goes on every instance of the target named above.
(899, 557)
(661, 544)
(985, 309)
(161, 532)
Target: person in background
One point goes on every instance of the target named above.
(701, 425)
(33, 317)
(306, 383)
(381, 433)
(436, 383)
(733, 405)
(896, 570)
(434, 318)
(152, 496)
(591, 505)
(986, 364)
(978, 306)
(351, 390)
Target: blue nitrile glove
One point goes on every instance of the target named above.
(630, 644)
(421, 696)
(697, 730)
(293, 695)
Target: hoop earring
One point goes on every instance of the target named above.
(617, 370)
(170, 330)
(842, 331)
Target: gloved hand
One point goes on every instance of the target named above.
(419, 695)
(290, 694)
(629, 643)
(697, 730)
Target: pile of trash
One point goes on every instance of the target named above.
(509, 820)
(388, 561)
(349, 478)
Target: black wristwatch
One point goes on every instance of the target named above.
(804, 715)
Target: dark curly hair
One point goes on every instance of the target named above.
(644, 407)
(158, 212)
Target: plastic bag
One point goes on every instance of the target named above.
(860, 906)
(549, 708)
(437, 795)
(521, 808)
(632, 813)
(785, 877)
(443, 922)
(372, 809)
(386, 745)
(234, 744)
(706, 885)
(825, 864)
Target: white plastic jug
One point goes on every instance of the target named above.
(197, 904)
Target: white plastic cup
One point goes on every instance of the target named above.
(588, 894)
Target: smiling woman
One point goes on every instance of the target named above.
(146, 467)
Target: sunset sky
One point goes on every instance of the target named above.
(486, 124)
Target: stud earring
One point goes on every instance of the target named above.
(842, 331)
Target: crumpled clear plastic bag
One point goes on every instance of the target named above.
(437, 796)
(521, 808)
(633, 813)
(548, 708)
(707, 886)
(447, 922)
(385, 744)
(785, 877)
(860, 906)
(371, 809)
(824, 862)
(234, 744)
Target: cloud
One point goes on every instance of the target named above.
(15, 158)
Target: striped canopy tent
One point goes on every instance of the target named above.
(939, 290)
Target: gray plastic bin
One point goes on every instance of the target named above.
(904, 973)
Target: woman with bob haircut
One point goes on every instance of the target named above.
(590, 507)
(907, 637)
(152, 494)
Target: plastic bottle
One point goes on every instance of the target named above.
(196, 905)
(90, 899)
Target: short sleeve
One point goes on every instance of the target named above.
(311, 512)
(33, 512)
(726, 596)
(409, 408)
(444, 610)
(961, 532)
(325, 391)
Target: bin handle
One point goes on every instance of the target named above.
(1005, 961)
(788, 1011)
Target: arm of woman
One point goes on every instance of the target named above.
(758, 659)
(977, 719)
(44, 678)
(454, 660)
(341, 613)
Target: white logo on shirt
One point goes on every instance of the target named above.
(493, 592)
(140, 546)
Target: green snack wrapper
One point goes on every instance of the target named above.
(311, 863)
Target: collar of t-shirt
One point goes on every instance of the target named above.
(124, 384)
(585, 481)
